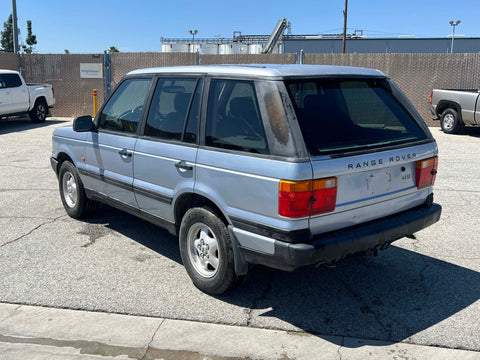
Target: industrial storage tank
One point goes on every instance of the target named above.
(255, 49)
(225, 49)
(175, 47)
(235, 48)
(208, 49)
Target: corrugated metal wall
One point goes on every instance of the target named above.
(416, 74)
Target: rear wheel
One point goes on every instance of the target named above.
(206, 251)
(39, 111)
(72, 192)
(450, 121)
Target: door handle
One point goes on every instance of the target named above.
(183, 165)
(125, 153)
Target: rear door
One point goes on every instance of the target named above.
(166, 153)
(359, 133)
(234, 166)
(109, 154)
(5, 95)
(19, 93)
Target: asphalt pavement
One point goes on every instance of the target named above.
(417, 299)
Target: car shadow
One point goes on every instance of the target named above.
(471, 131)
(389, 298)
(8, 126)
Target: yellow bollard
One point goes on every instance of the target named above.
(95, 103)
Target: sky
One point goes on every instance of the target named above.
(92, 26)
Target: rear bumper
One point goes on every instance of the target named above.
(333, 246)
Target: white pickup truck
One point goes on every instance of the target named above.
(17, 98)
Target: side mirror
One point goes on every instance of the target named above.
(83, 124)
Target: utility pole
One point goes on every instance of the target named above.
(344, 40)
(15, 26)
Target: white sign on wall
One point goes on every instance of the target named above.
(91, 70)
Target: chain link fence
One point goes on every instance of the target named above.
(73, 95)
(8, 61)
(416, 74)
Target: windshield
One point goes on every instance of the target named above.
(344, 115)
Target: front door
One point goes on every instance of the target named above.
(110, 157)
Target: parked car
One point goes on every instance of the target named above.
(455, 108)
(280, 165)
(18, 98)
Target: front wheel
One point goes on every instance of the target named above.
(450, 121)
(72, 192)
(206, 251)
(39, 112)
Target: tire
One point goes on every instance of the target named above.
(72, 193)
(450, 121)
(206, 251)
(39, 112)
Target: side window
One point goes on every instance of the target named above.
(233, 117)
(169, 108)
(10, 81)
(123, 110)
(191, 128)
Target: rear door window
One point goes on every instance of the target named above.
(233, 117)
(343, 115)
(169, 114)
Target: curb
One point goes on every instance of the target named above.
(33, 332)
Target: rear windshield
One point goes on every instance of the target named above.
(344, 115)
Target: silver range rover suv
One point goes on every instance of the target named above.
(280, 165)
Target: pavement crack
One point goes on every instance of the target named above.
(31, 231)
(144, 357)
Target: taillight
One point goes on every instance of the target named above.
(431, 96)
(304, 198)
(324, 195)
(53, 91)
(426, 171)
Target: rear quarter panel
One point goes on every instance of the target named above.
(466, 100)
(246, 187)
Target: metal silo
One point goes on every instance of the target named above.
(255, 49)
(225, 49)
(208, 49)
(174, 47)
